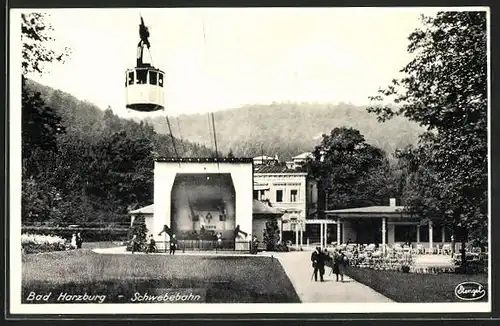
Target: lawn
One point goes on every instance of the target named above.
(409, 287)
(225, 279)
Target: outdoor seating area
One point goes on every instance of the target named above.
(412, 258)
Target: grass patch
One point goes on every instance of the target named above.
(410, 287)
(225, 279)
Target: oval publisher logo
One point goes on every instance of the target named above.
(470, 291)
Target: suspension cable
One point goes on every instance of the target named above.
(215, 141)
(173, 140)
(210, 130)
(180, 137)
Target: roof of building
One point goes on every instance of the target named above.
(258, 207)
(205, 159)
(143, 210)
(369, 209)
(274, 169)
(263, 157)
(303, 156)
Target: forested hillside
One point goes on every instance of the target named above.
(82, 164)
(288, 129)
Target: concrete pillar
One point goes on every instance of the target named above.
(338, 231)
(301, 236)
(321, 234)
(430, 235)
(296, 235)
(418, 233)
(281, 230)
(326, 234)
(384, 232)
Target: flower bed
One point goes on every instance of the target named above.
(36, 243)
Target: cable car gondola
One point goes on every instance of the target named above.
(144, 83)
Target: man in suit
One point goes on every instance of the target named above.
(318, 264)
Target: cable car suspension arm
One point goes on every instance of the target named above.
(144, 42)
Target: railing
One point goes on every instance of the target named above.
(207, 245)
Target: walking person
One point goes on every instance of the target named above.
(133, 243)
(318, 264)
(219, 240)
(173, 244)
(151, 245)
(79, 240)
(339, 262)
(73, 242)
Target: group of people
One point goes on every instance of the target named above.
(337, 263)
(151, 244)
(76, 241)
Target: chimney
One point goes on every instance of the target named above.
(392, 202)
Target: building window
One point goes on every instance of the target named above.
(153, 77)
(403, 233)
(160, 80)
(279, 196)
(142, 76)
(131, 78)
(256, 194)
(293, 195)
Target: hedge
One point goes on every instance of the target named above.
(88, 234)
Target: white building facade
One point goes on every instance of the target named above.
(290, 191)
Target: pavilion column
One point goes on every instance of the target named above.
(281, 230)
(321, 234)
(301, 237)
(384, 232)
(338, 231)
(418, 234)
(326, 234)
(296, 235)
(132, 219)
(430, 235)
(442, 234)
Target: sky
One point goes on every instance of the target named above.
(220, 58)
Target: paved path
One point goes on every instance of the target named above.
(297, 266)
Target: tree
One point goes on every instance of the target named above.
(40, 124)
(444, 89)
(230, 154)
(37, 44)
(351, 173)
(271, 235)
(138, 229)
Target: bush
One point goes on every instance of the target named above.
(36, 243)
(140, 230)
(271, 235)
(88, 234)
